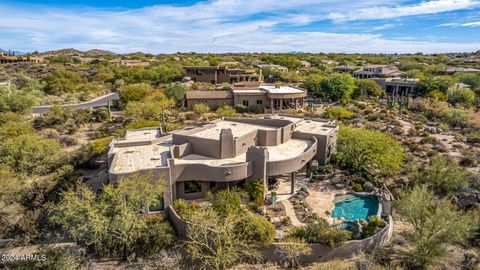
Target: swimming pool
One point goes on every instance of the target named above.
(353, 207)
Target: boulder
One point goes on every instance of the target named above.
(467, 200)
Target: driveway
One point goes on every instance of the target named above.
(95, 103)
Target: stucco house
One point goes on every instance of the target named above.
(271, 97)
(222, 153)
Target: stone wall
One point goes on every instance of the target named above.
(319, 252)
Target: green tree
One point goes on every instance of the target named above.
(337, 86)
(368, 150)
(443, 175)
(312, 83)
(111, 223)
(177, 92)
(367, 87)
(212, 240)
(29, 153)
(62, 81)
(14, 100)
(471, 79)
(436, 223)
(135, 92)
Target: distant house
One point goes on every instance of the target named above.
(271, 97)
(329, 62)
(222, 74)
(399, 85)
(129, 63)
(274, 67)
(346, 69)
(455, 70)
(305, 64)
(376, 71)
(15, 59)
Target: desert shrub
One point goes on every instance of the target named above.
(100, 146)
(463, 96)
(225, 111)
(338, 113)
(226, 202)
(436, 224)
(155, 236)
(240, 108)
(256, 108)
(473, 137)
(255, 229)
(374, 223)
(367, 150)
(29, 153)
(291, 249)
(200, 108)
(357, 187)
(455, 117)
(319, 231)
(443, 175)
(255, 191)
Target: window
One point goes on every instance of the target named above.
(213, 185)
(192, 187)
(259, 102)
(245, 103)
(158, 205)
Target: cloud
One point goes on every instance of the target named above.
(212, 26)
(384, 12)
(469, 24)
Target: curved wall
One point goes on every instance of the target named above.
(292, 164)
(203, 172)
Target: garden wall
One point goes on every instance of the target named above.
(319, 252)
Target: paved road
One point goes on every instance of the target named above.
(98, 102)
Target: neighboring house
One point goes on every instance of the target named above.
(376, 71)
(400, 85)
(271, 97)
(222, 74)
(329, 62)
(455, 70)
(305, 64)
(15, 59)
(212, 98)
(346, 69)
(222, 154)
(129, 63)
(273, 67)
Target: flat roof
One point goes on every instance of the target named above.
(281, 89)
(142, 134)
(136, 158)
(290, 149)
(238, 129)
(315, 127)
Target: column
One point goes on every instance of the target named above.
(281, 104)
(271, 105)
(296, 104)
(293, 175)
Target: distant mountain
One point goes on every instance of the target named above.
(69, 51)
(14, 52)
(98, 52)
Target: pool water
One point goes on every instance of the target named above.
(353, 207)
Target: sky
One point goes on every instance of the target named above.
(220, 26)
